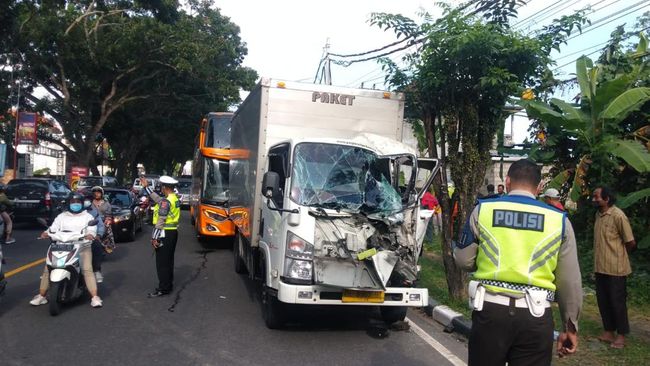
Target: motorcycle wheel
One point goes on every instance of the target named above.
(53, 297)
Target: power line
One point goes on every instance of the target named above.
(373, 51)
(591, 27)
(544, 10)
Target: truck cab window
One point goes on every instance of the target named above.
(278, 163)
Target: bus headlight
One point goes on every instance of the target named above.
(214, 215)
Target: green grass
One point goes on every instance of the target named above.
(590, 350)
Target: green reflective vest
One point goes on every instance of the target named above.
(519, 242)
(174, 215)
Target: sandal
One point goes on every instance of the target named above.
(605, 339)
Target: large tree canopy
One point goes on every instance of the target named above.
(125, 68)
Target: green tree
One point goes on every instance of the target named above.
(609, 128)
(458, 84)
(97, 58)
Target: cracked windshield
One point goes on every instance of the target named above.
(215, 180)
(343, 177)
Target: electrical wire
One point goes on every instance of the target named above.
(591, 27)
(544, 10)
(524, 22)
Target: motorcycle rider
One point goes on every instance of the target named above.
(105, 210)
(97, 248)
(75, 219)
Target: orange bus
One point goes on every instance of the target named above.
(209, 191)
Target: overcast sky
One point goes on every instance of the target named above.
(285, 38)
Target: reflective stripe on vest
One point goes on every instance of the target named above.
(519, 242)
(174, 215)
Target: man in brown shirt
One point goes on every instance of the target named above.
(613, 239)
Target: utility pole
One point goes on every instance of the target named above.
(324, 67)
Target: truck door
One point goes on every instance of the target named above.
(427, 171)
(272, 222)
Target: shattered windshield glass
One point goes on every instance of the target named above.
(215, 181)
(343, 177)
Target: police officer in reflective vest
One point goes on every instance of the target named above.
(523, 254)
(166, 214)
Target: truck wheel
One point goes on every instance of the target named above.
(392, 314)
(53, 296)
(240, 266)
(273, 311)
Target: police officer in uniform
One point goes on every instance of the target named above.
(523, 254)
(166, 214)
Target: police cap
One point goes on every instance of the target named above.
(168, 181)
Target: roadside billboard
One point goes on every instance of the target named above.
(26, 128)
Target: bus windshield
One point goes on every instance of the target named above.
(215, 181)
(218, 131)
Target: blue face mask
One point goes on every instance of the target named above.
(76, 207)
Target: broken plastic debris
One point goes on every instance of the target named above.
(222, 297)
(367, 254)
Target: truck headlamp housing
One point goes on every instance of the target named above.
(299, 248)
(298, 269)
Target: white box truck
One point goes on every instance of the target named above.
(323, 195)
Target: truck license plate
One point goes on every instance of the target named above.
(363, 296)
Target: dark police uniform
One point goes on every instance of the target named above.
(523, 254)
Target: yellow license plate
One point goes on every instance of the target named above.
(363, 296)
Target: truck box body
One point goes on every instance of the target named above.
(345, 201)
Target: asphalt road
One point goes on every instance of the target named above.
(213, 317)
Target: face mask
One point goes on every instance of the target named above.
(86, 204)
(75, 207)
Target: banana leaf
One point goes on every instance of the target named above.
(574, 118)
(582, 64)
(625, 104)
(579, 178)
(633, 152)
(558, 181)
(627, 201)
(608, 91)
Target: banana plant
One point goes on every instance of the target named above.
(594, 121)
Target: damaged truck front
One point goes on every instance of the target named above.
(327, 199)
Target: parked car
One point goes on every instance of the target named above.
(183, 187)
(152, 179)
(126, 221)
(96, 180)
(36, 198)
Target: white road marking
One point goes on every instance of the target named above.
(436, 345)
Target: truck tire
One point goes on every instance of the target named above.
(273, 311)
(240, 266)
(53, 295)
(392, 314)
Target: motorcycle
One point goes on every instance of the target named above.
(63, 261)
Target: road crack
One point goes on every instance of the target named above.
(194, 276)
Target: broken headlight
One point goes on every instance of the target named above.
(299, 255)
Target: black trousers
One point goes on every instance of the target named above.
(165, 261)
(611, 293)
(98, 255)
(503, 334)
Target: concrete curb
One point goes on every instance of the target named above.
(452, 321)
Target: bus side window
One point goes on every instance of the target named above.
(278, 162)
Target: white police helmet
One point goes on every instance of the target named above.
(168, 181)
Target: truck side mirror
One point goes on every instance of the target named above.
(271, 185)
